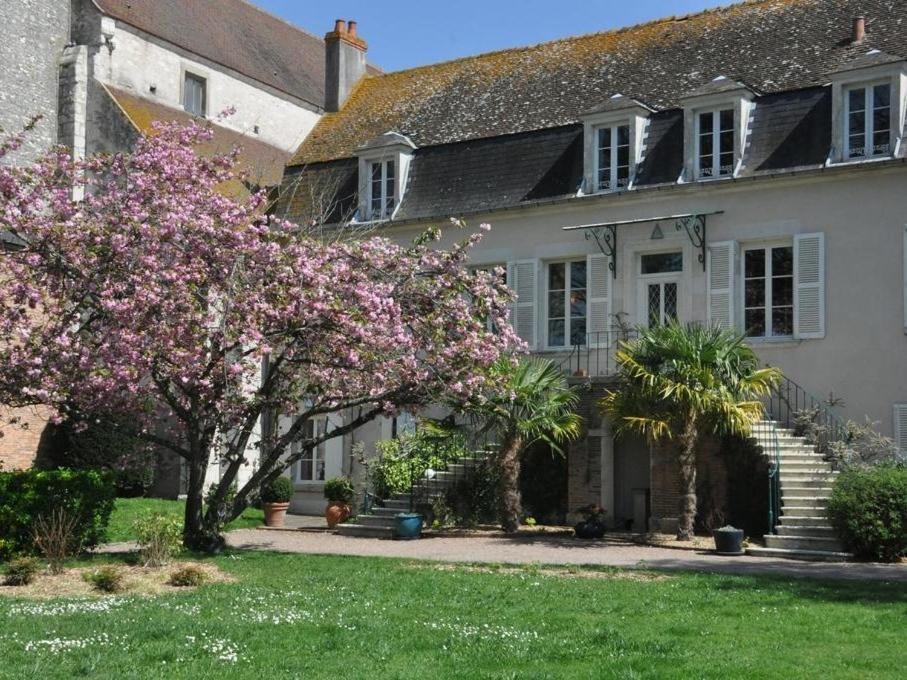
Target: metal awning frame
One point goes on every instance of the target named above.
(605, 234)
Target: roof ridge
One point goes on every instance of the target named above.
(674, 18)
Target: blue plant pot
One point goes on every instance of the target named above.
(409, 525)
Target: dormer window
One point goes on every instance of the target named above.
(868, 121)
(382, 189)
(715, 143)
(383, 171)
(612, 168)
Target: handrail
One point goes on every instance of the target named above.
(790, 404)
(596, 356)
(767, 434)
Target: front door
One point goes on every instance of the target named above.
(659, 287)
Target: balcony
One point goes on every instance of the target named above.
(596, 358)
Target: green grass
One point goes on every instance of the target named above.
(128, 510)
(292, 616)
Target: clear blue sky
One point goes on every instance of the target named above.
(404, 33)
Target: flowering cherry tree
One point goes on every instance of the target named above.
(158, 296)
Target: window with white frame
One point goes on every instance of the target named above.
(715, 143)
(612, 157)
(867, 115)
(310, 468)
(382, 189)
(500, 272)
(566, 304)
(195, 94)
(768, 291)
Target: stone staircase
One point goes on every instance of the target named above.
(381, 521)
(803, 530)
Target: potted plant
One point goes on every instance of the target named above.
(728, 541)
(339, 493)
(593, 523)
(409, 525)
(275, 500)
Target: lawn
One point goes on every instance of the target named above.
(127, 510)
(291, 616)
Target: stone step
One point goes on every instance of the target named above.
(826, 531)
(801, 521)
(807, 501)
(398, 504)
(797, 510)
(364, 531)
(387, 512)
(807, 555)
(388, 521)
(805, 492)
(804, 476)
(816, 464)
(790, 458)
(804, 543)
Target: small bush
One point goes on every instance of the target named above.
(187, 577)
(406, 458)
(21, 572)
(159, 538)
(868, 507)
(339, 490)
(279, 490)
(56, 537)
(107, 579)
(88, 495)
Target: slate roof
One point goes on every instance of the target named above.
(262, 162)
(235, 34)
(770, 45)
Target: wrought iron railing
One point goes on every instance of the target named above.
(597, 356)
(806, 415)
(766, 433)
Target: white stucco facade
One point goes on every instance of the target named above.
(155, 70)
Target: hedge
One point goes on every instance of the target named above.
(868, 507)
(29, 494)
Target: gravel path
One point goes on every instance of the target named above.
(554, 550)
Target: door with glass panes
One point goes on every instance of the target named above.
(659, 287)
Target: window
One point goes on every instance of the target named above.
(660, 287)
(868, 121)
(768, 291)
(310, 468)
(194, 94)
(715, 144)
(662, 263)
(567, 303)
(382, 187)
(612, 158)
(501, 271)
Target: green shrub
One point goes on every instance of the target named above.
(408, 457)
(339, 490)
(279, 490)
(187, 577)
(159, 538)
(107, 579)
(868, 507)
(86, 495)
(21, 571)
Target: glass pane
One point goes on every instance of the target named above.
(654, 304)
(604, 138)
(755, 323)
(556, 305)
(376, 172)
(391, 165)
(670, 295)
(705, 123)
(881, 96)
(578, 332)
(557, 276)
(623, 135)
(754, 263)
(662, 263)
(856, 99)
(857, 146)
(727, 120)
(754, 293)
(577, 275)
(306, 469)
(706, 145)
(857, 122)
(782, 291)
(782, 261)
(578, 303)
(783, 321)
(556, 332)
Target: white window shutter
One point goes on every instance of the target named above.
(722, 258)
(333, 449)
(522, 277)
(598, 308)
(809, 286)
(905, 278)
(900, 428)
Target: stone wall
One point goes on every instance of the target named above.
(33, 34)
(25, 431)
(584, 456)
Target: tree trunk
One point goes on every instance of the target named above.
(688, 481)
(510, 483)
(199, 533)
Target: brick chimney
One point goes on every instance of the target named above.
(344, 58)
(859, 30)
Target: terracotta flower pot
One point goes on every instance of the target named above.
(275, 513)
(336, 512)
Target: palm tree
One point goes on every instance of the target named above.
(531, 402)
(680, 382)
